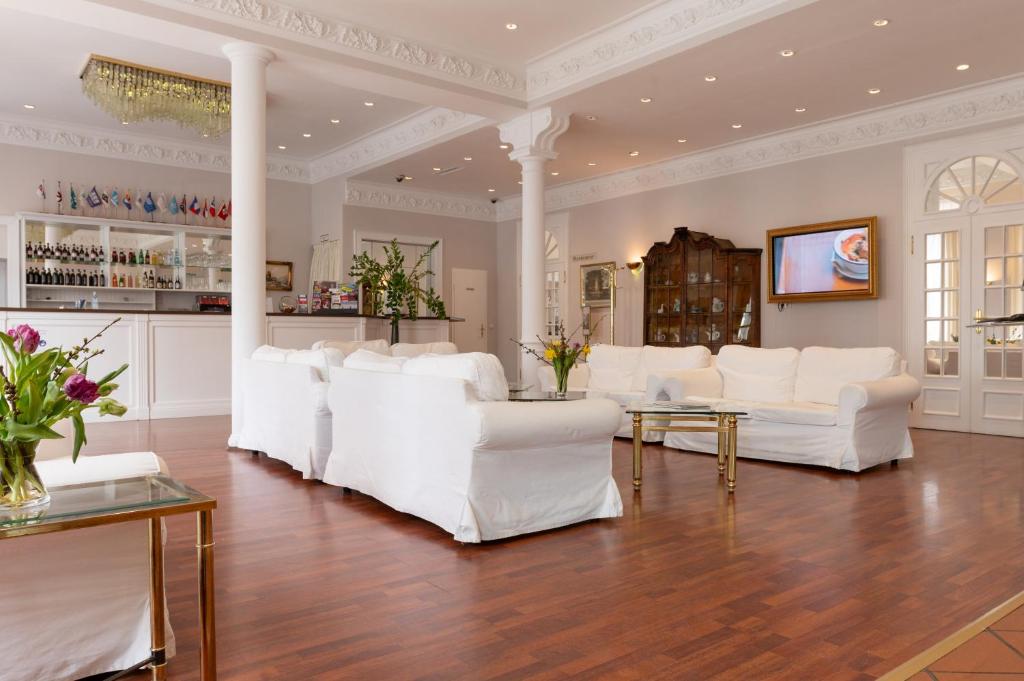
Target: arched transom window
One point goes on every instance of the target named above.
(973, 182)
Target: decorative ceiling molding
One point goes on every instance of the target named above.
(991, 103)
(671, 26)
(128, 147)
(533, 134)
(372, 195)
(419, 131)
(367, 43)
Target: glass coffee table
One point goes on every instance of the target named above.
(545, 396)
(149, 498)
(665, 414)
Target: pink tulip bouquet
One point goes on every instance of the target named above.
(39, 388)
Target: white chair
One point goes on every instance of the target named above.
(437, 438)
(621, 373)
(76, 603)
(843, 408)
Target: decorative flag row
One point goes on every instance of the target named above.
(138, 204)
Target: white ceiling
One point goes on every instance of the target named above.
(47, 78)
(477, 27)
(839, 56)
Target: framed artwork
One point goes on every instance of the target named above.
(827, 261)
(597, 284)
(279, 275)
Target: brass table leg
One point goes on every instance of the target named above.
(723, 444)
(638, 450)
(731, 475)
(156, 600)
(208, 633)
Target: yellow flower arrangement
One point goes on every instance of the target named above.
(561, 354)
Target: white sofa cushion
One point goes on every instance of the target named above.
(758, 374)
(380, 346)
(322, 360)
(417, 349)
(612, 367)
(268, 353)
(797, 413)
(366, 360)
(657, 360)
(482, 371)
(822, 372)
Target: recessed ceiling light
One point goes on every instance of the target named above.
(787, 53)
(591, 117)
(335, 121)
(634, 153)
(307, 135)
(591, 164)
(124, 122)
(800, 109)
(281, 147)
(467, 158)
(711, 79)
(436, 169)
(519, 181)
(962, 67)
(645, 100)
(503, 146)
(511, 26)
(206, 134)
(880, 22)
(554, 173)
(408, 178)
(681, 140)
(490, 189)
(29, 106)
(874, 91)
(737, 126)
(367, 103)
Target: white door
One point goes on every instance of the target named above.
(469, 301)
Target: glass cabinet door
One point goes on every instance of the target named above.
(207, 263)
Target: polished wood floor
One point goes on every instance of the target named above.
(805, 575)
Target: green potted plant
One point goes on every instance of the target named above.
(41, 388)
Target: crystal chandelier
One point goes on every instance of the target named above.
(133, 93)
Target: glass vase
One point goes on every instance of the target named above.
(20, 485)
(561, 380)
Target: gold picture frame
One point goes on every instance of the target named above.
(279, 275)
(597, 284)
(835, 260)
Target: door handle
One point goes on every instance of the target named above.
(978, 316)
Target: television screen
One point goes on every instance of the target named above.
(833, 260)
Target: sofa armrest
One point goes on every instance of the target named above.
(676, 385)
(894, 392)
(579, 377)
(520, 425)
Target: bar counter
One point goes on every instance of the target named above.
(180, 362)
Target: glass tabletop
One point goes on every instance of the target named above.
(97, 500)
(545, 396)
(681, 408)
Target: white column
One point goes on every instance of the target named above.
(532, 137)
(249, 208)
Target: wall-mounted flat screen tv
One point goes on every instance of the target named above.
(827, 261)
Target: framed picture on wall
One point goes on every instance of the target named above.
(597, 282)
(827, 261)
(279, 275)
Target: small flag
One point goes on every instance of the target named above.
(203, 211)
(115, 198)
(149, 205)
(161, 202)
(74, 198)
(181, 206)
(223, 214)
(174, 205)
(93, 198)
(194, 206)
(60, 195)
(213, 207)
(104, 197)
(229, 209)
(127, 201)
(41, 190)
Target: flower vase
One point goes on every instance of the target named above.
(561, 380)
(394, 330)
(20, 486)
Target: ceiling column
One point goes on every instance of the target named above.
(249, 210)
(532, 137)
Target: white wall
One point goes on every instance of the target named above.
(289, 207)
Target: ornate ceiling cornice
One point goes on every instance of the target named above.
(423, 129)
(991, 103)
(625, 45)
(81, 140)
(370, 43)
(374, 195)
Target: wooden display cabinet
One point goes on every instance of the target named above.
(701, 290)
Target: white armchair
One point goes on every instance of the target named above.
(435, 437)
(80, 603)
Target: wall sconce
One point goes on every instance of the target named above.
(635, 267)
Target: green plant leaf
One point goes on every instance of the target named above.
(29, 432)
(112, 375)
(79, 424)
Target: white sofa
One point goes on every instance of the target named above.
(76, 603)
(437, 438)
(621, 373)
(843, 408)
(284, 410)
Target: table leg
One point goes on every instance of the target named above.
(638, 450)
(208, 633)
(156, 600)
(723, 443)
(731, 475)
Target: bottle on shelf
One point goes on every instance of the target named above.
(103, 279)
(147, 258)
(177, 283)
(131, 256)
(101, 257)
(120, 283)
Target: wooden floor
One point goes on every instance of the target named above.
(805, 575)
